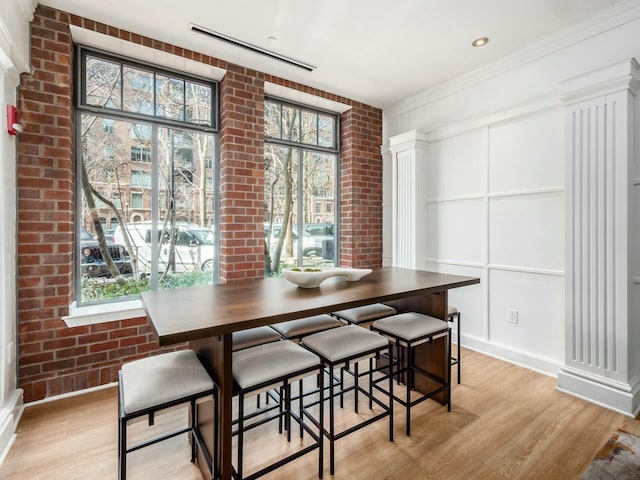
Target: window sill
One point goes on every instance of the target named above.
(93, 314)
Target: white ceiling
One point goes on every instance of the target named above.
(375, 51)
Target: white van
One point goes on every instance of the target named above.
(193, 248)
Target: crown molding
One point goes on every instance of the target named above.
(12, 60)
(28, 8)
(620, 76)
(411, 140)
(608, 19)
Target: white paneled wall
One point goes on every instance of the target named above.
(495, 210)
(527, 231)
(504, 160)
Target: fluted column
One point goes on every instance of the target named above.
(409, 215)
(601, 336)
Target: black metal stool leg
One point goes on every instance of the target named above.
(459, 358)
(240, 432)
(331, 426)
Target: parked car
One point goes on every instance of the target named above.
(108, 235)
(313, 238)
(92, 263)
(193, 246)
(323, 235)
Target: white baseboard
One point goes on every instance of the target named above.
(9, 418)
(619, 397)
(544, 365)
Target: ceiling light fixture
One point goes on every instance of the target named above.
(480, 42)
(251, 47)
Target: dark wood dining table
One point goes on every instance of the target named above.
(206, 317)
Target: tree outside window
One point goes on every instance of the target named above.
(161, 164)
(301, 161)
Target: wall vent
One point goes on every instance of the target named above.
(253, 48)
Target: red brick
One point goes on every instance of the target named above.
(46, 194)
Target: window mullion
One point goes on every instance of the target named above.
(155, 188)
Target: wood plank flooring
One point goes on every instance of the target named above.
(506, 422)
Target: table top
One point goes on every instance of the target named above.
(182, 315)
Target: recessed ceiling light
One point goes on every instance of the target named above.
(480, 42)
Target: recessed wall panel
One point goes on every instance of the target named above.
(527, 231)
(538, 301)
(455, 231)
(527, 153)
(469, 300)
(457, 166)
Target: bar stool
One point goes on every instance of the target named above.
(340, 346)
(262, 368)
(296, 329)
(151, 384)
(453, 314)
(253, 337)
(410, 330)
(366, 313)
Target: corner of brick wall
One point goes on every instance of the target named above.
(361, 187)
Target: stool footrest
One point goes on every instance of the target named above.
(155, 440)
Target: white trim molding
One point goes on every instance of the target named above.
(606, 20)
(9, 418)
(106, 312)
(509, 354)
(620, 397)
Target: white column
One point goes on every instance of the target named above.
(600, 337)
(387, 205)
(409, 208)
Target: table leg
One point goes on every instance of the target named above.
(215, 354)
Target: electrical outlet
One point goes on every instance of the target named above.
(513, 316)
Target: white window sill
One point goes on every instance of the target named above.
(93, 314)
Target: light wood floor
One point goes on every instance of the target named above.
(506, 422)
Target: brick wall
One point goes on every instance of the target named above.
(54, 359)
(241, 178)
(361, 188)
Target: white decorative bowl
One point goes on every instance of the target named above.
(312, 277)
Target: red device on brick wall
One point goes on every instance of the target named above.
(13, 127)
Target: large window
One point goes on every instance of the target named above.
(146, 161)
(301, 162)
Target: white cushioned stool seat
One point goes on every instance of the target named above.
(344, 342)
(410, 326)
(151, 384)
(306, 326)
(452, 310)
(366, 313)
(164, 378)
(253, 337)
(263, 363)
